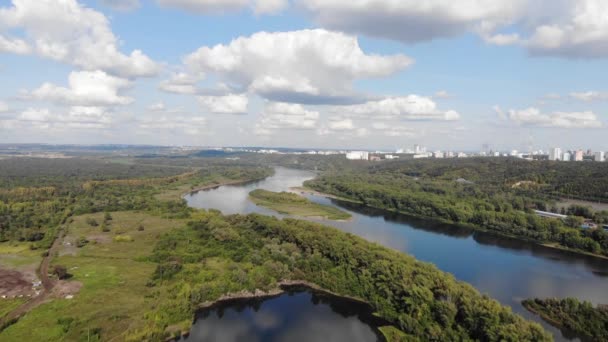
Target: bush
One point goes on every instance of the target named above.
(92, 222)
(61, 272)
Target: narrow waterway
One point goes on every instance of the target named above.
(506, 269)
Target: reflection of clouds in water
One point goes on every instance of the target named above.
(225, 330)
(234, 199)
(313, 327)
(265, 319)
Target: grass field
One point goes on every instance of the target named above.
(295, 205)
(15, 255)
(114, 297)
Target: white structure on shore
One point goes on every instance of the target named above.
(357, 155)
(600, 156)
(556, 154)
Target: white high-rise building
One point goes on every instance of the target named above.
(555, 154)
(567, 156)
(578, 155)
(600, 156)
(357, 155)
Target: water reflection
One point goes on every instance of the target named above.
(506, 269)
(299, 315)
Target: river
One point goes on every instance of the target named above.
(506, 269)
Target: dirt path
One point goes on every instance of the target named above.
(47, 284)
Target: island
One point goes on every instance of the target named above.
(293, 204)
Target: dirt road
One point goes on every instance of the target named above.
(47, 284)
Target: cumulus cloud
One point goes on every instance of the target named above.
(86, 88)
(411, 107)
(308, 66)
(278, 116)
(66, 31)
(227, 104)
(410, 20)
(3, 107)
(78, 117)
(545, 27)
(180, 83)
(269, 6)
(589, 96)
(226, 6)
(534, 117)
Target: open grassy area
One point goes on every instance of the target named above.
(293, 204)
(7, 305)
(15, 255)
(114, 297)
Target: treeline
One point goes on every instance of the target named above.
(465, 193)
(584, 180)
(46, 196)
(216, 255)
(589, 322)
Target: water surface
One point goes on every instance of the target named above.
(506, 269)
(300, 315)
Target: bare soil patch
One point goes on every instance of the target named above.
(14, 283)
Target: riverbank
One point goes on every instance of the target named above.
(313, 192)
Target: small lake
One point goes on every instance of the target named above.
(300, 314)
(506, 269)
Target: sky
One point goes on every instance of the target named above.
(372, 74)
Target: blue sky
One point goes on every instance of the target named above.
(332, 74)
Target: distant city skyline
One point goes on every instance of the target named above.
(525, 74)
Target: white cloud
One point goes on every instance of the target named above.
(308, 66)
(66, 31)
(278, 116)
(411, 107)
(77, 117)
(226, 6)
(87, 88)
(410, 20)
(580, 29)
(340, 124)
(534, 117)
(17, 46)
(180, 83)
(564, 28)
(206, 6)
(3, 107)
(270, 6)
(589, 96)
(122, 5)
(177, 124)
(227, 104)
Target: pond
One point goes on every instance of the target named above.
(300, 314)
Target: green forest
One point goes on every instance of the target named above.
(580, 317)
(216, 254)
(497, 195)
(38, 195)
